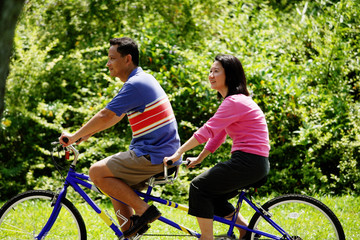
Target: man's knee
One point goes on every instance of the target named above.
(98, 171)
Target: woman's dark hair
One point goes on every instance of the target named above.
(127, 46)
(235, 77)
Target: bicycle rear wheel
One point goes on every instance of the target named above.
(23, 217)
(302, 217)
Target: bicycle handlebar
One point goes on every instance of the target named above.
(170, 162)
(167, 178)
(76, 155)
(68, 149)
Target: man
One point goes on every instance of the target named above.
(154, 130)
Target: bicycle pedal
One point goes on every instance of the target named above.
(136, 237)
(143, 229)
(140, 233)
(225, 237)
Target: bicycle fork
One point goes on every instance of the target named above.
(56, 204)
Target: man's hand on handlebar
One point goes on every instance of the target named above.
(67, 139)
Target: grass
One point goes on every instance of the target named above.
(346, 208)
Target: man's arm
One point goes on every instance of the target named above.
(114, 120)
(99, 122)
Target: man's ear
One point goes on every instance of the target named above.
(128, 58)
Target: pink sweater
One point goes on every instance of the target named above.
(241, 118)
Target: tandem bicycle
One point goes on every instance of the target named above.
(287, 217)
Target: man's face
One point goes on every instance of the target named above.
(116, 63)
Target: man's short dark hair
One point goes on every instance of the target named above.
(127, 46)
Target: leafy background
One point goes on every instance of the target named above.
(301, 59)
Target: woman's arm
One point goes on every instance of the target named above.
(193, 161)
(190, 144)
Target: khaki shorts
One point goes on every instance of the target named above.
(133, 170)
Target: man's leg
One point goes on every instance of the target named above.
(102, 177)
(125, 211)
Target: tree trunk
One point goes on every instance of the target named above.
(9, 13)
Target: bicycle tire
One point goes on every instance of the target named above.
(24, 215)
(301, 216)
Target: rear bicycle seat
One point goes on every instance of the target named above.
(256, 184)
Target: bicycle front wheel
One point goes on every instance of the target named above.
(302, 217)
(24, 216)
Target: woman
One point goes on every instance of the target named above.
(241, 118)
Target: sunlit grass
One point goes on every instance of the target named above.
(346, 208)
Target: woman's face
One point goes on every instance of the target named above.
(217, 78)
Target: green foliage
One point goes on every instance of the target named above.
(301, 60)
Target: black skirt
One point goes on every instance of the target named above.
(211, 190)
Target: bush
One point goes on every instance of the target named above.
(300, 57)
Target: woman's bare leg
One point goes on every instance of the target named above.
(241, 221)
(206, 228)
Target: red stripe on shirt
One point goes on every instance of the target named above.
(140, 122)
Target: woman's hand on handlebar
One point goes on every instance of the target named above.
(193, 161)
(190, 162)
(170, 160)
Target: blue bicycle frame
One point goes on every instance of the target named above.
(75, 179)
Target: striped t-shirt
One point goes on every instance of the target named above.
(150, 115)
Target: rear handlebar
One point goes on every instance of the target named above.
(170, 162)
